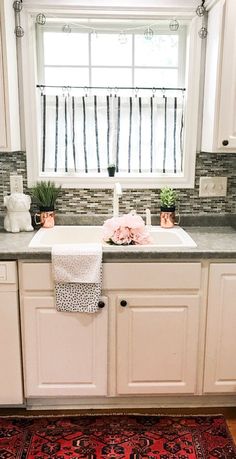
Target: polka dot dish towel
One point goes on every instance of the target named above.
(77, 274)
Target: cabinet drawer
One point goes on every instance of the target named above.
(170, 276)
(8, 275)
(36, 276)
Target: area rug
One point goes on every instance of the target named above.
(115, 437)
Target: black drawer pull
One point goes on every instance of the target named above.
(225, 143)
(101, 304)
(123, 303)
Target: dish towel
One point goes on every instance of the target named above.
(77, 273)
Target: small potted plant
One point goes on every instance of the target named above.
(168, 199)
(111, 169)
(45, 195)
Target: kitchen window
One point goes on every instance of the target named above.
(94, 108)
(100, 57)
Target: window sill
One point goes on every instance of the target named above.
(105, 182)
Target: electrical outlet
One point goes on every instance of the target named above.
(16, 183)
(212, 186)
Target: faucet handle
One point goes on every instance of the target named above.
(133, 212)
(148, 218)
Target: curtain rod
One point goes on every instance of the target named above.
(109, 88)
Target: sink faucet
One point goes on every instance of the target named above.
(116, 194)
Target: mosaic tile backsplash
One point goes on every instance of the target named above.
(99, 202)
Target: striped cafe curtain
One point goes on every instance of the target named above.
(83, 134)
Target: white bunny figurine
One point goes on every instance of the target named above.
(18, 217)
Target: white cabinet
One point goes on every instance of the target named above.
(158, 316)
(153, 340)
(153, 324)
(9, 105)
(219, 114)
(65, 354)
(220, 362)
(11, 390)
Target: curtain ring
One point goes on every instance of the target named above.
(86, 91)
(42, 88)
(68, 90)
(136, 91)
(153, 92)
(109, 90)
(163, 92)
(116, 91)
(64, 90)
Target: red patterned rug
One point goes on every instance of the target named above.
(115, 437)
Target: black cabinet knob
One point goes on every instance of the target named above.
(101, 304)
(123, 303)
(225, 143)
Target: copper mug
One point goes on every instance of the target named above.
(167, 217)
(46, 218)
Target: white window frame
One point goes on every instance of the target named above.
(31, 99)
(53, 27)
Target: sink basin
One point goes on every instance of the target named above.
(171, 237)
(161, 237)
(47, 237)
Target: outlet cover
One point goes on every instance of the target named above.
(212, 186)
(16, 183)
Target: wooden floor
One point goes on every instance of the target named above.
(229, 413)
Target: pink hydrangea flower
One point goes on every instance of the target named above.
(126, 230)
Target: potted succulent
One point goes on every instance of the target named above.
(168, 199)
(45, 195)
(111, 169)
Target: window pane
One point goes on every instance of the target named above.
(161, 51)
(111, 77)
(62, 48)
(66, 76)
(108, 50)
(156, 77)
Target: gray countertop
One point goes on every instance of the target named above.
(212, 242)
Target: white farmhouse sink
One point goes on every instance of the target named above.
(161, 237)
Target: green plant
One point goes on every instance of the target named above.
(45, 194)
(168, 197)
(111, 166)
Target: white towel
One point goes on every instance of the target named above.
(77, 273)
(77, 263)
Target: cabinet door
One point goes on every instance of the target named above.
(227, 115)
(157, 344)
(219, 112)
(11, 391)
(3, 133)
(64, 353)
(220, 362)
(9, 100)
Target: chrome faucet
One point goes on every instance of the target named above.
(116, 194)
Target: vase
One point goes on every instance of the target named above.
(45, 218)
(111, 171)
(167, 217)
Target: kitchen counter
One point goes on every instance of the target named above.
(212, 243)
